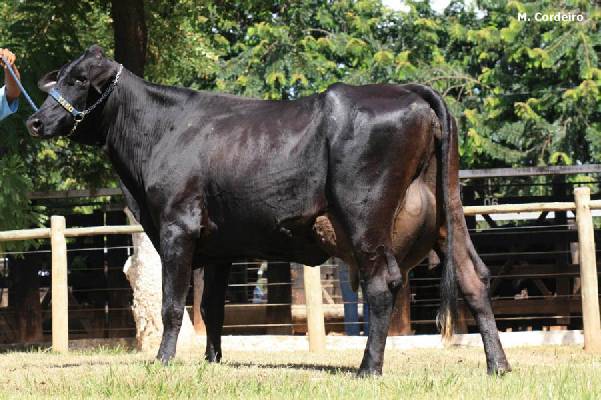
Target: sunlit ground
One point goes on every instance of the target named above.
(538, 372)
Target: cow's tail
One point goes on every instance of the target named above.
(447, 314)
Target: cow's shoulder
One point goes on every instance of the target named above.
(337, 92)
(337, 100)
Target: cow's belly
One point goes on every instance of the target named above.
(264, 225)
(263, 204)
(270, 246)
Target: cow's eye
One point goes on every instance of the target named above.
(80, 81)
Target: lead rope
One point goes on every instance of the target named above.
(14, 75)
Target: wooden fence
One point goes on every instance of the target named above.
(582, 206)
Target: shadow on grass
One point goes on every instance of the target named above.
(76, 364)
(330, 369)
(31, 347)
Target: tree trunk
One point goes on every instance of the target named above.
(131, 35)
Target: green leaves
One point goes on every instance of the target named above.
(562, 46)
(275, 78)
(523, 93)
(15, 210)
(384, 57)
(587, 56)
(593, 137)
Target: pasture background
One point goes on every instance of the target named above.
(523, 93)
(456, 373)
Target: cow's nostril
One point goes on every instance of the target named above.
(35, 126)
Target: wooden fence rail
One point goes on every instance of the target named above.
(582, 206)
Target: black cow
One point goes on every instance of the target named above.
(365, 173)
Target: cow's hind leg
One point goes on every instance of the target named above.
(368, 188)
(380, 293)
(212, 307)
(381, 280)
(381, 277)
(473, 279)
(177, 248)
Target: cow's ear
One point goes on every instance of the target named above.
(96, 51)
(101, 73)
(48, 81)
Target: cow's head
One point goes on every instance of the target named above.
(80, 83)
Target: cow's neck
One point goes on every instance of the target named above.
(133, 120)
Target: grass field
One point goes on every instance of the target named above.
(538, 373)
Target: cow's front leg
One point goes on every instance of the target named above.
(212, 307)
(380, 298)
(177, 249)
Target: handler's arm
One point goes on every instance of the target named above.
(12, 89)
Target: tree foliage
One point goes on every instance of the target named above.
(524, 93)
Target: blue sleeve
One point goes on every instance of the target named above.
(7, 108)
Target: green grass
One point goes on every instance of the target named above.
(538, 373)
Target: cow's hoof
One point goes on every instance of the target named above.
(164, 359)
(499, 369)
(368, 373)
(213, 357)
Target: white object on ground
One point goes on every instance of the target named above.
(144, 272)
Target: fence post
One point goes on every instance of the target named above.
(314, 303)
(588, 271)
(60, 289)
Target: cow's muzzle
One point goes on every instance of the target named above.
(35, 126)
